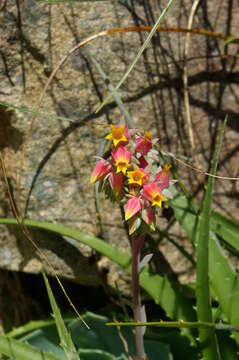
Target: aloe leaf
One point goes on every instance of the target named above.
(228, 347)
(106, 339)
(64, 335)
(45, 339)
(227, 229)
(225, 283)
(141, 50)
(207, 337)
(162, 291)
(22, 351)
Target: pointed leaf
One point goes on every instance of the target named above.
(22, 351)
(64, 334)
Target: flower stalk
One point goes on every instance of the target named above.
(136, 244)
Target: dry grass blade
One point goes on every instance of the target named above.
(185, 79)
(194, 168)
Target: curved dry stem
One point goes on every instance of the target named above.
(199, 170)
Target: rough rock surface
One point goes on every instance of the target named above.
(59, 154)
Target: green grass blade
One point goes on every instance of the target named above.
(27, 110)
(22, 351)
(64, 335)
(207, 337)
(111, 88)
(141, 50)
(162, 291)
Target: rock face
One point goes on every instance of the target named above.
(53, 156)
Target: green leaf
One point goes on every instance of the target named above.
(170, 297)
(102, 342)
(228, 347)
(207, 337)
(227, 229)
(107, 339)
(225, 283)
(21, 351)
(99, 355)
(45, 339)
(64, 335)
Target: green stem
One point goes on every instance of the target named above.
(179, 324)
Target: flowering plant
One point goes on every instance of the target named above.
(133, 176)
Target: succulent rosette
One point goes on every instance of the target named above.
(134, 177)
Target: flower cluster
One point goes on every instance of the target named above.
(132, 176)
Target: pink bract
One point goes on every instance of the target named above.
(102, 168)
(133, 206)
(116, 183)
(143, 143)
(149, 216)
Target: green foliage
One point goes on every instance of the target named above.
(107, 339)
(207, 337)
(162, 291)
(186, 210)
(104, 343)
(227, 230)
(223, 278)
(21, 351)
(64, 335)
